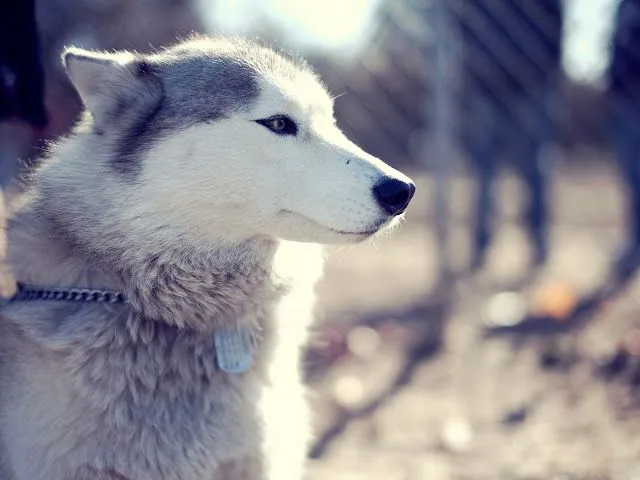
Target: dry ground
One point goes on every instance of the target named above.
(479, 408)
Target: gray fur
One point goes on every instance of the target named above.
(183, 86)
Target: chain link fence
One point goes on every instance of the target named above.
(437, 86)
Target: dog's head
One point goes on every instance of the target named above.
(228, 140)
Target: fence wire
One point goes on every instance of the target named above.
(434, 85)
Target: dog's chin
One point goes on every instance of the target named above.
(299, 228)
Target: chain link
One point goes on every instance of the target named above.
(86, 295)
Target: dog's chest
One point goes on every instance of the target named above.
(148, 401)
(172, 399)
(145, 403)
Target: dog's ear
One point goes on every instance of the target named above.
(105, 81)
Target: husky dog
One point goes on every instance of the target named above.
(198, 186)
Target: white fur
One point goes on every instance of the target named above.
(315, 187)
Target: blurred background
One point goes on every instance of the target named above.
(496, 335)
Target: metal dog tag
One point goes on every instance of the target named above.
(234, 352)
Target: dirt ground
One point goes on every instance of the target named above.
(390, 402)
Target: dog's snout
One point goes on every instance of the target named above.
(394, 195)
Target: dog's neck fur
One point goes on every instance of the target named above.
(202, 290)
(171, 375)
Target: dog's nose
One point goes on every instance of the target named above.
(394, 195)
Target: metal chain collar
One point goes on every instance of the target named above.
(87, 295)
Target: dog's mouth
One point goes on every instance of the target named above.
(362, 234)
(367, 232)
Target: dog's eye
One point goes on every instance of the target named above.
(280, 124)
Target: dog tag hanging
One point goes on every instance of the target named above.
(234, 352)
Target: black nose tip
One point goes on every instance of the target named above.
(394, 195)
